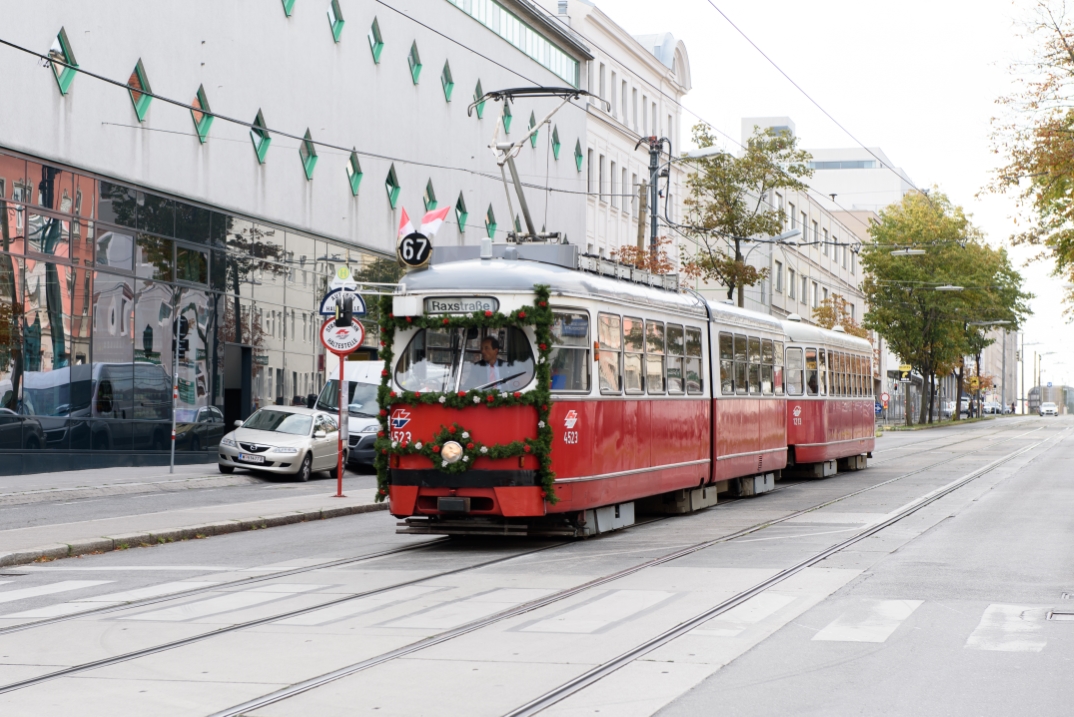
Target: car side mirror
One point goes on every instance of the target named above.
(319, 434)
(238, 424)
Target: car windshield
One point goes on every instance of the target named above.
(268, 420)
(464, 359)
(362, 401)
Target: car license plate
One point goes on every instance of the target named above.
(247, 458)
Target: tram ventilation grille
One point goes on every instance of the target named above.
(1061, 615)
(607, 267)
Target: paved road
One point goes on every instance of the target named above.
(943, 611)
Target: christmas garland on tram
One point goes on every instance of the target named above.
(539, 316)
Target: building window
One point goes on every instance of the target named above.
(288, 7)
(490, 222)
(623, 100)
(825, 244)
(805, 227)
(480, 106)
(260, 137)
(138, 86)
(590, 169)
(634, 194)
(805, 290)
(531, 126)
(843, 255)
(335, 19)
(202, 121)
(507, 25)
(813, 294)
(460, 212)
(429, 198)
(391, 185)
(656, 126)
(825, 293)
(376, 41)
(601, 186)
(414, 60)
(613, 189)
(816, 232)
(555, 142)
(578, 154)
(793, 216)
(634, 111)
(603, 83)
(778, 277)
(354, 173)
(446, 81)
(612, 104)
(669, 133)
(507, 116)
(625, 189)
(308, 152)
(791, 287)
(644, 116)
(853, 262)
(60, 52)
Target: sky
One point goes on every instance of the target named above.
(917, 79)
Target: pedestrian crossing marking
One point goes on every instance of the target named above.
(605, 610)
(868, 621)
(1008, 628)
(355, 607)
(224, 603)
(460, 612)
(40, 590)
(741, 617)
(76, 606)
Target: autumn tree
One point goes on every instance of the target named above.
(933, 329)
(654, 259)
(727, 204)
(834, 311)
(1035, 136)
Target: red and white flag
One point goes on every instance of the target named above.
(432, 221)
(405, 225)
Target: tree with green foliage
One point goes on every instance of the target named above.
(728, 204)
(933, 329)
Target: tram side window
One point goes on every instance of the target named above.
(855, 376)
(844, 374)
(833, 389)
(727, 364)
(755, 366)
(837, 372)
(741, 366)
(654, 356)
(768, 358)
(794, 372)
(611, 346)
(777, 369)
(822, 362)
(675, 354)
(861, 376)
(695, 383)
(633, 354)
(811, 371)
(569, 360)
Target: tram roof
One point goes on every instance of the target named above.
(474, 276)
(730, 314)
(801, 333)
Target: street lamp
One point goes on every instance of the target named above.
(948, 287)
(908, 252)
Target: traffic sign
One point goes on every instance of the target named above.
(415, 250)
(885, 397)
(877, 408)
(343, 279)
(1049, 383)
(328, 303)
(342, 340)
(905, 367)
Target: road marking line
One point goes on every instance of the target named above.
(223, 603)
(609, 608)
(738, 619)
(91, 603)
(60, 587)
(355, 607)
(1008, 628)
(460, 612)
(869, 621)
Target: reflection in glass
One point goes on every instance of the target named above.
(12, 363)
(114, 249)
(118, 205)
(153, 258)
(191, 265)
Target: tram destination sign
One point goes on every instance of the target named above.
(460, 304)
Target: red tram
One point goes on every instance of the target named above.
(651, 397)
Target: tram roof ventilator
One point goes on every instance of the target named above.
(531, 245)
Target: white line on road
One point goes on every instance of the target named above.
(1008, 628)
(60, 587)
(459, 612)
(869, 621)
(121, 568)
(224, 603)
(355, 607)
(739, 619)
(91, 603)
(605, 610)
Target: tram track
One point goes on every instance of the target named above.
(445, 636)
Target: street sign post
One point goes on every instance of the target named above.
(342, 341)
(885, 397)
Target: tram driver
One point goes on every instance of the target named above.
(489, 370)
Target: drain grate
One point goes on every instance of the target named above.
(1061, 615)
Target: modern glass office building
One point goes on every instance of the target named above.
(103, 283)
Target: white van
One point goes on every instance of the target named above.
(361, 426)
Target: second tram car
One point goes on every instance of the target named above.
(658, 398)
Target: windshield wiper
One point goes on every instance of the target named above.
(498, 381)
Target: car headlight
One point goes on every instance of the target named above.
(225, 441)
(370, 429)
(285, 450)
(451, 452)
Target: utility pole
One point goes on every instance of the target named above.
(1022, 358)
(643, 209)
(654, 189)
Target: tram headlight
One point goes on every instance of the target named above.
(451, 452)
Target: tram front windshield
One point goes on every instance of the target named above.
(445, 360)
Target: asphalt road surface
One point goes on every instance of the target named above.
(935, 582)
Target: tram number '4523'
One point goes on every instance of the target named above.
(570, 437)
(401, 436)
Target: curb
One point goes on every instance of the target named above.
(123, 541)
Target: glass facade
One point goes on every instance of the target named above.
(102, 284)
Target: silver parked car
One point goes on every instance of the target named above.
(289, 440)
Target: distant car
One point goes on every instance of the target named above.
(289, 440)
(948, 409)
(992, 407)
(1049, 409)
(198, 429)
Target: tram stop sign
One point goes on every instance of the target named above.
(342, 340)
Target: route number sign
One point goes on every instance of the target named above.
(415, 250)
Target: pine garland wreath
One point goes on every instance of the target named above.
(538, 315)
